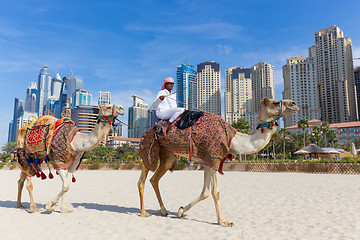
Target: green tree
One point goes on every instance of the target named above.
(9, 147)
(315, 136)
(325, 128)
(274, 139)
(303, 123)
(242, 125)
(284, 133)
(331, 137)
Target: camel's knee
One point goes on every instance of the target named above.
(141, 185)
(205, 194)
(216, 195)
(29, 186)
(154, 182)
(66, 187)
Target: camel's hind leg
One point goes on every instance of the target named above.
(20, 187)
(167, 161)
(204, 194)
(29, 187)
(141, 187)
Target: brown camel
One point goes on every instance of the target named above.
(270, 111)
(64, 154)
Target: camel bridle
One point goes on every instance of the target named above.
(274, 122)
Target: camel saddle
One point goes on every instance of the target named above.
(207, 139)
(48, 138)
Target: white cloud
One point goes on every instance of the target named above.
(224, 49)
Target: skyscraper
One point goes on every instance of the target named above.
(300, 85)
(30, 100)
(187, 83)
(44, 90)
(19, 108)
(81, 97)
(335, 76)
(104, 98)
(138, 118)
(85, 117)
(263, 83)
(56, 86)
(357, 86)
(209, 87)
(76, 82)
(238, 95)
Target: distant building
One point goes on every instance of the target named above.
(104, 98)
(186, 82)
(120, 141)
(56, 86)
(138, 118)
(335, 75)
(44, 90)
(357, 87)
(30, 100)
(152, 118)
(19, 109)
(209, 87)
(26, 118)
(300, 85)
(263, 82)
(75, 82)
(81, 97)
(85, 117)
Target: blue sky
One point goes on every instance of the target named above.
(129, 47)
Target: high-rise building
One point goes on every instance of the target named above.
(26, 118)
(76, 82)
(357, 87)
(138, 118)
(81, 97)
(152, 118)
(209, 87)
(85, 117)
(30, 100)
(335, 76)
(104, 98)
(44, 90)
(19, 108)
(56, 86)
(238, 94)
(187, 83)
(263, 83)
(300, 85)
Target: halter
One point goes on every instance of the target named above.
(108, 119)
(272, 123)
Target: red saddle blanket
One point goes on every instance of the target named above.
(208, 139)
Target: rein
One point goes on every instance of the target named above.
(272, 123)
(107, 119)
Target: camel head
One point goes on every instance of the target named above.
(271, 109)
(110, 110)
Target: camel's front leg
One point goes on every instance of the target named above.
(20, 187)
(216, 194)
(141, 187)
(204, 194)
(50, 206)
(29, 187)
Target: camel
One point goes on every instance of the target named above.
(270, 111)
(81, 142)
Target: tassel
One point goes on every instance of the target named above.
(57, 173)
(262, 130)
(29, 160)
(46, 159)
(51, 176)
(43, 176)
(37, 174)
(272, 123)
(73, 179)
(37, 161)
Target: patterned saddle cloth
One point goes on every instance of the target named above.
(208, 139)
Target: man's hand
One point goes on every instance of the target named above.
(162, 97)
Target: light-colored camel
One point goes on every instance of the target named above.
(270, 110)
(81, 143)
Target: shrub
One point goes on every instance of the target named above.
(94, 166)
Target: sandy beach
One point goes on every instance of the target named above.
(261, 206)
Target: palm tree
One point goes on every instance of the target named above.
(303, 123)
(10, 147)
(284, 133)
(315, 136)
(325, 128)
(242, 125)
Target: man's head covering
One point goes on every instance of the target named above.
(166, 80)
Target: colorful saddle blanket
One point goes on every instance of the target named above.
(208, 139)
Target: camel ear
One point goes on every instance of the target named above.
(265, 101)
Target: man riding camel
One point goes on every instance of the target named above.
(166, 106)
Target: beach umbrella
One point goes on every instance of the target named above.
(353, 149)
(330, 150)
(312, 148)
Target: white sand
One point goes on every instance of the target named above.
(261, 205)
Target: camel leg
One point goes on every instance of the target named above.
(69, 176)
(29, 187)
(204, 194)
(20, 187)
(167, 160)
(50, 206)
(216, 195)
(141, 187)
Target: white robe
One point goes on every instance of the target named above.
(167, 109)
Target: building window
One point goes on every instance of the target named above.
(343, 135)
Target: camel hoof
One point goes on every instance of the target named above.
(144, 214)
(32, 209)
(164, 213)
(19, 205)
(226, 224)
(50, 206)
(180, 212)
